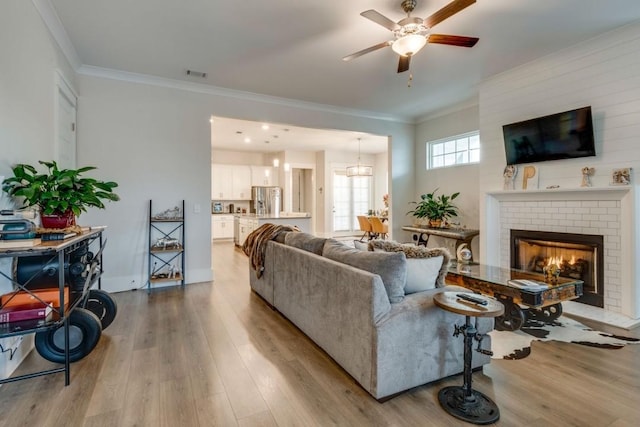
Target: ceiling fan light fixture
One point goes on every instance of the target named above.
(409, 45)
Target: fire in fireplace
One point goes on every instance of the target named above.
(578, 256)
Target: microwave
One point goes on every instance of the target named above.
(217, 207)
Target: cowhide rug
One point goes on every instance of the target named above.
(517, 344)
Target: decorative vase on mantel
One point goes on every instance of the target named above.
(58, 221)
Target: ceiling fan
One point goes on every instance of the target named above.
(412, 33)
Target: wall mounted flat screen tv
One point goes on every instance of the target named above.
(564, 135)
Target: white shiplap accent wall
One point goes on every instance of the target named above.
(604, 73)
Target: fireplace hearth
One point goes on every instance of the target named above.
(578, 256)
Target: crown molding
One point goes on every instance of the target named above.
(52, 21)
(59, 34)
(126, 76)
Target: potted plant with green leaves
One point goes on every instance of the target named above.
(59, 194)
(436, 209)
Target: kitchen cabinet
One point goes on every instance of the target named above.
(241, 182)
(264, 176)
(222, 227)
(245, 227)
(221, 182)
(230, 182)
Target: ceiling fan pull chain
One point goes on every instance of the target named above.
(410, 79)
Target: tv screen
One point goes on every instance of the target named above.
(558, 136)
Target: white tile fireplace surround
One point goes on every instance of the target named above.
(608, 211)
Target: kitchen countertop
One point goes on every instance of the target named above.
(288, 215)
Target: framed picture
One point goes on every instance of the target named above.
(621, 176)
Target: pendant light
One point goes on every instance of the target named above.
(359, 170)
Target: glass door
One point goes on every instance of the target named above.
(351, 197)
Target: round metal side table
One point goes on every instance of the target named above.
(462, 401)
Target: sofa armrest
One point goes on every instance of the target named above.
(415, 343)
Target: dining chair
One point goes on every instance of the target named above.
(365, 227)
(379, 227)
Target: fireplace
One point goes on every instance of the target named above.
(578, 256)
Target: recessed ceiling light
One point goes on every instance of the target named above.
(265, 126)
(238, 132)
(266, 142)
(247, 140)
(275, 136)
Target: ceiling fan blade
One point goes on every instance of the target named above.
(462, 41)
(379, 18)
(449, 10)
(403, 63)
(367, 50)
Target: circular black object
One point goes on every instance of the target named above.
(476, 408)
(513, 318)
(102, 305)
(84, 333)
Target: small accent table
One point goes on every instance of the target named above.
(462, 401)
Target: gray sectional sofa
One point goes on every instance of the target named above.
(338, 297)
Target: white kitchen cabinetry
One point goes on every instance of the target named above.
(221, 182)
(264, 175)
(245, 227)
(222, 227)
(241, 181)
(230, 182)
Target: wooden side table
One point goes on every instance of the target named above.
(462, 401)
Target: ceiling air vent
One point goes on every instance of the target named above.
(197, 74)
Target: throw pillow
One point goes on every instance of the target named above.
(391, 267)
(426, 267)
(305, 242)
(361, 246)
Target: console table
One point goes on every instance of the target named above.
(460, 235)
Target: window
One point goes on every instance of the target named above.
(457, 150)
(351, 197)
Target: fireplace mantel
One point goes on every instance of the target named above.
(577, 193)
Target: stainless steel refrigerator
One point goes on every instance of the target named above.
(266, 201)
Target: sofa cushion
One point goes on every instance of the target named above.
(391, 267)
(426, 267)
(362, 246)
(305, 241)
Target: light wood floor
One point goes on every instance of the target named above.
(216, 355)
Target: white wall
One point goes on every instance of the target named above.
(380, 179)
(601, 72)
(463, 179)
(30, 60)
(155, 142)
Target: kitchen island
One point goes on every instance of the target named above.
(244, 224)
